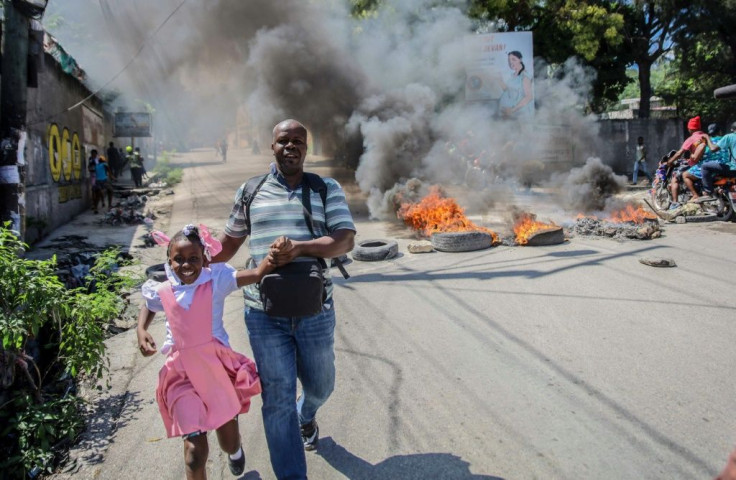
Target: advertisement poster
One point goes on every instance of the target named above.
(500, 72)
(136, 124)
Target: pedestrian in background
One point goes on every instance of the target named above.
(114, 161)
(204, 384)
(136, 166)
(92, 172)
(291, 347)
(640, 163)
(103, 183)
(223, 149)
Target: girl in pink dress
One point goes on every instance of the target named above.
(203, 384)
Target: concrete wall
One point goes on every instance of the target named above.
(619, 138)
(59, 141)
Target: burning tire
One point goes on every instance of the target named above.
(156, 272)
(461, 241)
(375, 250)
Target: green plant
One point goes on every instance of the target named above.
(51, 337)
(164, 171)
(174, 176)
(41, 431)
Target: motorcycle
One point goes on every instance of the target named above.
(661, 194)
(724, 199)
(723, 205)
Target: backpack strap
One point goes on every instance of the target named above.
(315, 183)
(312, 181)
(249, 192)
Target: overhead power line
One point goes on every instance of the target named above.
(114, 77)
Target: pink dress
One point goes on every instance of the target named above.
(203, 383)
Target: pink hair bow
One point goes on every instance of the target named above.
(160, 238)
(212, 246)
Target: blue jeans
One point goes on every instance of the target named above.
(710, 170)
(643, 167)
(286, 349)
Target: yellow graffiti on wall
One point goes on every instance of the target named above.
(65, 154)
(55, 152)
(76, 157)
(70, 192)
(66, 157)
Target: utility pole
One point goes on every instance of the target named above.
(13, 100)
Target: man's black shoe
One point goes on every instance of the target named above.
(237, 467)
(310, 435)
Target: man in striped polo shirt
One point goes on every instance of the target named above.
(286, 348)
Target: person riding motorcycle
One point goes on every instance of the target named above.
(723, 164)
(695, 145)
(694, 174)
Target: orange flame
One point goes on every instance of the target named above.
(436, 213)
(631, 214)
(627, 214)
(526, 225)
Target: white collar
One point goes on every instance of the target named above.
(204, 276)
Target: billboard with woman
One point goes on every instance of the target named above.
(500, 72)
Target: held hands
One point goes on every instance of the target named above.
(283, 251)
(146, 345)
(265, 267)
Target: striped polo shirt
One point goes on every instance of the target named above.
(276, 210)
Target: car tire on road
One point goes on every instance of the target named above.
(461, 241)
(707, 217)
(156, 272)
(375, 250)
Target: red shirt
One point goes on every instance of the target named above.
(691, 143)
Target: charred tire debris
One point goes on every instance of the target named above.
(374, 250)
(544, 238)
(461, 241)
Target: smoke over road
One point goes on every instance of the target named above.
(392, 84)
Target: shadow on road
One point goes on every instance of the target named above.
(105, 417)
(407, 467)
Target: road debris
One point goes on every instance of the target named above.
(420, 246)
(657, 262)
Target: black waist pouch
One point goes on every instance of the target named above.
(294, 290)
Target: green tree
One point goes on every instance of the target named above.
(705, 59)
(363, 8)
(591, 30)
(701, 66)
(651, 26)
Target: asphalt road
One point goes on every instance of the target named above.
(565, 362)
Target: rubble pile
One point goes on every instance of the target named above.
(74, 258)
(127, 212)
(592, 226)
